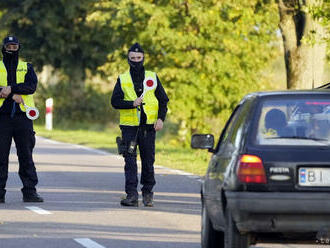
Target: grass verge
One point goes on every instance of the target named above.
(168, 153)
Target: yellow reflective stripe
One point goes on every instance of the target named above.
(127, 117)
(3, 79)
(20, 77)
(127, 87)
(3, 74)
(21, 71)
(151, 74)
(151, 102)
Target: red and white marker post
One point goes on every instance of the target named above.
(49, 113)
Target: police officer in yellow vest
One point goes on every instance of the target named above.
(141, 115)
(18, 82)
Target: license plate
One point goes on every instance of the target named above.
(314, 177)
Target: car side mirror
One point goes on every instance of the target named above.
(202, 141)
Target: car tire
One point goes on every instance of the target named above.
(210, 238)
(233, 238)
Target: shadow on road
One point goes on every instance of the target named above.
(92, 191)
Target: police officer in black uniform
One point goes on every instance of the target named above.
(141, 115)
(18, 82)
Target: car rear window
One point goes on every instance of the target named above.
(296, 122)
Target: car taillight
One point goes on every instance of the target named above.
(251, 169)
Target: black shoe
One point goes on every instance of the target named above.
(33, 197)
(148, 200)
(2, 199)
(130, 201)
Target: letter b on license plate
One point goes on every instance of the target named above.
(319, 177)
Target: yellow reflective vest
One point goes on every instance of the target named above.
(131, 117)
(20, 77)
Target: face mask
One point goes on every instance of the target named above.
(137, 66)
(10, 53)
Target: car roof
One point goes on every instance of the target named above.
(289, 92)
(285, 93)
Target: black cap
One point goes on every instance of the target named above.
(10, 40)
(136, 48)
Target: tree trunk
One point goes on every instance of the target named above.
(304, 62)
(49, 76)
(77, 82)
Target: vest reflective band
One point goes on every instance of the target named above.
(130, 117)
(20, 77)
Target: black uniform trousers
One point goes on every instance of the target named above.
(146, 142)
(20, 128)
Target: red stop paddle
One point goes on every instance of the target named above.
(31, 113)
(148, 84)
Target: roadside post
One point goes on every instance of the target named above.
(49, 113)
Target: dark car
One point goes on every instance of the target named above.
(269, 177)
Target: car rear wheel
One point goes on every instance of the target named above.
(233, 238)
(210, 237)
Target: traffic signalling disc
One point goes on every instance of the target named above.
(148, 84)
(31, 113)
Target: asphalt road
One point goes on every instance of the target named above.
(82, 188)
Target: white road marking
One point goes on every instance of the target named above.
(88, 243)
(48, 140)
(38, 210)
(92, 150)
(180, 172)
(77, 146)
(194, 177)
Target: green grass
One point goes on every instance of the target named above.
(168, 152)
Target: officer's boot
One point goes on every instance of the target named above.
(32, 197)
(2, 198)
(2, 195)
(148, 199)
(130, 201)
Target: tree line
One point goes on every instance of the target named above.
(207, 53)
